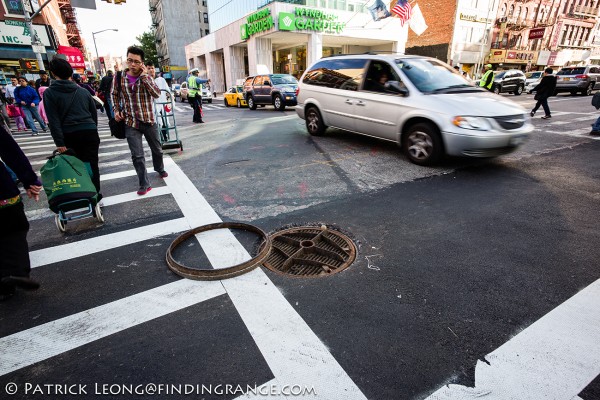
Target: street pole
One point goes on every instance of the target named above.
(35, 40)
(483, 40)
(96, 47)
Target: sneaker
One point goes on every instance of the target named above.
(532, 113)
(163, 174)
(143, 191)
(595, 133)
(23, 282)
(34, 134)
(547, 117)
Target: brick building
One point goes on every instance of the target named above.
(436, 40)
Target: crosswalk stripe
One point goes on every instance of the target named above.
(105, 242)
(50, 143)
(111, 153)
(56, 337)
(46, 153)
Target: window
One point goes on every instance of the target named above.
(343, 74)
(206, 18)
(378, 75)
(206, 32)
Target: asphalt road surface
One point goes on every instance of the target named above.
(473, 279)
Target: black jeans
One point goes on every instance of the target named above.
(14, 259)
(544, 103)
(196, 103)
(86, 144)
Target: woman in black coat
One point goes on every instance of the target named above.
(543, 90)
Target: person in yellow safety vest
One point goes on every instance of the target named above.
(195, 95)
(487, 80)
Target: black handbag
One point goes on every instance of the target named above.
(117, 128)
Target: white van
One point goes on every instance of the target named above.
(418, 102)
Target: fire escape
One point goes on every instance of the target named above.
(70, 19)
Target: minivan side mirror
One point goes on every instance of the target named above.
(396, 87)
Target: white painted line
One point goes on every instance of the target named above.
(112, 153)
(553, 359)
(581, 132)
(52, 145)
(33, 215)
(117, 175)
(43, 137)
(181, 109)
(53, 338)
(291, 349)
(105, 242)
(49, 153)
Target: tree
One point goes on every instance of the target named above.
(147, 42)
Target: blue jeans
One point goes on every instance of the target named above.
(596, 126)
(136, 146)
(30, 114)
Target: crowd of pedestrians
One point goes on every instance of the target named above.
(67, 105)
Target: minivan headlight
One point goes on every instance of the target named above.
(475, 123)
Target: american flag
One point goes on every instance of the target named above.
(403, 10)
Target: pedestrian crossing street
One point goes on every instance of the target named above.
(284, 339)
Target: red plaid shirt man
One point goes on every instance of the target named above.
(135, 100)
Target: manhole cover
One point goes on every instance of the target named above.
(310, 251)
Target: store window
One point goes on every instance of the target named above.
(345, 74)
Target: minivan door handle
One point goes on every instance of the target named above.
(348, 101)
(360, 103)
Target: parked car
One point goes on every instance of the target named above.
(183, 93)
(235, 97)
(577, 79)
(424, 106)
(276, 89)
(176, 89)
(532, 79)
(509, 81)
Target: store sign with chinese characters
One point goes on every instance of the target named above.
(16, 33)
(521, 57)
(536, 33)
(496, 56)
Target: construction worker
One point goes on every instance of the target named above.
(487, 80)
(195, 94)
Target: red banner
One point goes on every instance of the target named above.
(73, 55)
(556, 36)
(536, 33)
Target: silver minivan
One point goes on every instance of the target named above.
(418, 102)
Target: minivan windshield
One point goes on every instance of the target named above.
(432, 76)
(284, 79)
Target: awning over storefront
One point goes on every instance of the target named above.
(73, 55)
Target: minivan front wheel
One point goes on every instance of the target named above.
(251, 103)
(278, 103)
(423, 144)
(314, 122)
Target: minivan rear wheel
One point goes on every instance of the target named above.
(314, 122)
(422, 144)
(251, 103)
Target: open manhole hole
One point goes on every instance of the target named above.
(310, 251)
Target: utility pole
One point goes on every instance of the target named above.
(35, 39)
(484, 39)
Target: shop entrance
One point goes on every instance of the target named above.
(290, 61)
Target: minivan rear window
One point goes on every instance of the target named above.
(571, 71)
(343, 74)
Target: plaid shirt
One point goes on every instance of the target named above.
(136, 101)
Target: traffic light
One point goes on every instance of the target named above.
(26, 64)
(166, 68)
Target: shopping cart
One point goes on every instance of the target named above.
(71, 193)
(167, 128)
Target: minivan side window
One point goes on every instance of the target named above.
(343, 74)
(378, 75)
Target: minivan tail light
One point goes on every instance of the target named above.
(584, 76)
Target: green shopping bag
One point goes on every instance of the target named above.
(66, 178)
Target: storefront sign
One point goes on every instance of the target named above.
(543, 57)
(496, 56)
(310, 20)
(258, 22)
(552, 58)
(556, 36)
(521, 57)
(474, 18)
(536, 33)
(15, 32)
(73, 56)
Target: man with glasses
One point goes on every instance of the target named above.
(134, 103)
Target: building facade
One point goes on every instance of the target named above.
(56, 28)
(287, 37)
(177, 23)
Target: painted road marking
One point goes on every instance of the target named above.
(291, 349)
(56, 337)
(554, 358)
(111, 241)
(46, 153)
(52, 145)
(112, 153)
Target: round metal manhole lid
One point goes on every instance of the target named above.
(310, 251)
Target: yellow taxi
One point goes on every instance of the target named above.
(235, 97)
